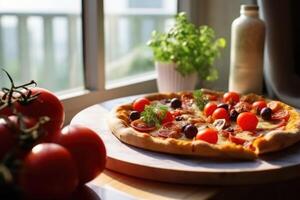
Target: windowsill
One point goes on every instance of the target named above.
(131, 80)
(75, 92)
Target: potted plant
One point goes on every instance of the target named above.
(184, 53)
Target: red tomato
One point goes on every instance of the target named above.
(281, 114)
(231, 97)
(7, 138)
(85, 192)
(139, 104)
(46, 104)
(29, 123)
(247, 121)
(4, 109)
(212, 97)
(48, 171)
(258, 105)
(139, 125)
(208, 135)
(236, 140)
(210, 108)
(87, 149)
(220, 113)
(175, 113)
(168, 118)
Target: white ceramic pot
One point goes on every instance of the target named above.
(170, 80)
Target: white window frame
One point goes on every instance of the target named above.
(94, 74)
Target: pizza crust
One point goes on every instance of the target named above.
(272, 141)
(280, 139)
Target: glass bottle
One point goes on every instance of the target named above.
(247, 49)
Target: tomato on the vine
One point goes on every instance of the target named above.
(231, 97)
(139, 104)
(48, 171)
(6, 111)
(46, 104)
(220, 113)
(209, 108)
(7, 138)
(32, 129)
(87, 149)
(208, 135)
(247, 121)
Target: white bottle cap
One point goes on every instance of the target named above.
(249, 10)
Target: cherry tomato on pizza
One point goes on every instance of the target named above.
(208, 135)
(48, 171)
(220, 113)
(140, 103)
(259, 105)
(247, 121)
(175, 113)
(87, 149)
(231, 97)
(209, 108)
(168, 118)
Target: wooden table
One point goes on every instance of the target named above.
(115, 186)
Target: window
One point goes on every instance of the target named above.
(128, 27)
(71, 47)
(42, 40)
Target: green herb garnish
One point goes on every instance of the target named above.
(200, 99)
(154, 114)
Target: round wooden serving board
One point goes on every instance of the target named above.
(141, 163)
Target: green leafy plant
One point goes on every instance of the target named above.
(192, 48)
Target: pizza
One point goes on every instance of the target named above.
(207, 123)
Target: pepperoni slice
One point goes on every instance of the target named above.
(281, 114)
(274, 105)
(271, 125)
(243, 106)
(225, 133)
(170, 130)
(139, 125)
(236, 140)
